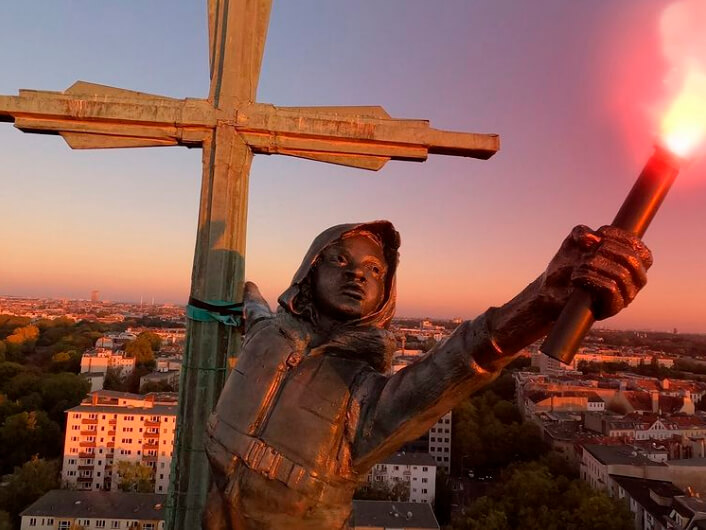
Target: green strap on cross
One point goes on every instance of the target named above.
(227, 313)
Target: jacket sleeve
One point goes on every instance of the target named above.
(389, 411)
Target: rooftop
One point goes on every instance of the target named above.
(619, 455)
(410, 459)
(655, 496)
(127, 409)
(99, 504)
(390, 514)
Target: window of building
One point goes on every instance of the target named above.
(424, 490)
(424, 468)
(424, 481)
(115, 524)
(33, 521)
(64, 525)
(148, 526)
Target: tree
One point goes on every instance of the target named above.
(8, 370)
(141, 350)
(156, 386)
(26, 434)
(383, 491)
(62, 391)
(135, 477)
(5, 520)
(151, 337)
(530, 496)
(22, 384)
(113, 381)
(27, 483)
(21, 342)
(488, 434)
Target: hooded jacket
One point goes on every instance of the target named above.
(304, 417)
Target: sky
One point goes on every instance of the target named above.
(573, 89)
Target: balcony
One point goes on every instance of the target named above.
(152, 423)
(88, 421)
(86, 455)
(85, 468)
(84, 479)
(147, 458)
(151, 435)
(87, 444)
(111, 433)
(88, 433)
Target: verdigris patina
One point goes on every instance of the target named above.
(311, 406)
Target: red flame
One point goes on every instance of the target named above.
(683, 127)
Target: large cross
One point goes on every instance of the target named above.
(229, 126)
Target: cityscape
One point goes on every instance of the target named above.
(89, 395)
(401, 382)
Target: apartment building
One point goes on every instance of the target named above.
(109, 427)
(99, 360)
(440, 442)
(70, 509)
(417, 469)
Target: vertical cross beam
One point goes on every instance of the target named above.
(237, 30)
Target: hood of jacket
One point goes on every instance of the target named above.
(365, 337)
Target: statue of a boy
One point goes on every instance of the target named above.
(310, 406)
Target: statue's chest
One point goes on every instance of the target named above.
(308, 418)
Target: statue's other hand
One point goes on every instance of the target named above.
(610, 263)
(255, 307)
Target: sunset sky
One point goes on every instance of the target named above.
(573, 88)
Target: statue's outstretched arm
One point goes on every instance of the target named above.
(610, 263)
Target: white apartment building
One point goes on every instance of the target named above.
(109, 427)
(101, 359)
(70, 509)
(599, 462)
(417, 469)
(440, 442)
(115, 341)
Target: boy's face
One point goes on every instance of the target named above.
(349, 281)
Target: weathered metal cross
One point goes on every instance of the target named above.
(230, 127)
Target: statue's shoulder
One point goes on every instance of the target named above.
(266, 329)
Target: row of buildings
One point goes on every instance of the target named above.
(69, 510)
(637, 438)
(109, 355)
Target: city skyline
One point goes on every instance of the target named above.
(573, 103)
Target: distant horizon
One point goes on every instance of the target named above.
(598, 326)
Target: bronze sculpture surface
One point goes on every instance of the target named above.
(309, 408)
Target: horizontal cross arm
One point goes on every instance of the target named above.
(94, 116)
(349, 134)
